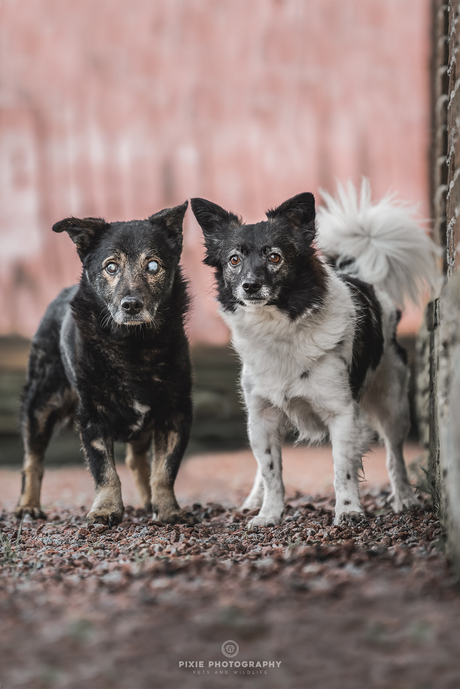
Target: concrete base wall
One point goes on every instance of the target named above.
(448, 397)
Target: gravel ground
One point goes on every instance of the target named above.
(309, 604)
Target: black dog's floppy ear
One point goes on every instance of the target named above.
(171, 220)
(299, 212)
(82, 231)
(213, 220)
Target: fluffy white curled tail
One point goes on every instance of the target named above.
(390, 248)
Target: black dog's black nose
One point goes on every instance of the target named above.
(252, 287)
(131, 305)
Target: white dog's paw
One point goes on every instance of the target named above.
(348, 509)
(264, 520)
(252, 503)
(403, 498)
(354, 516)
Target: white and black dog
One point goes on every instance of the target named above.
(316, 331)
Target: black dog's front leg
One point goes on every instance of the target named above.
(108, 505)
(170, 440)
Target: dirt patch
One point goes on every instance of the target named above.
(309, 604)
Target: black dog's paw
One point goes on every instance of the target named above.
(177, 517)
(108, 517)
(34, 512)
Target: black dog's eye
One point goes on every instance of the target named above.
(235, 260)
(152, 266)
(274, 258)
(111, 268)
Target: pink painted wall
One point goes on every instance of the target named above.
(118, 108)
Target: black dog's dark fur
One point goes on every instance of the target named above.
(113, 351)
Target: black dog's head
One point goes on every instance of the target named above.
(130, 266)
(270, 263)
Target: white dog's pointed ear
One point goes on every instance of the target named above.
(82, 231)
(299, 212)
(212, 217)
(171, 219)
(214, 221)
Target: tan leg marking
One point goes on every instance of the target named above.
(165, 506)
(163, 497)
(32, 475)
(32, 472)
(138, 462)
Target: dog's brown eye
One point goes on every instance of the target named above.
(152, 266)
(111, 268)
(274, 258)
(235, 260)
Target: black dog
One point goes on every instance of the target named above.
(113, 351)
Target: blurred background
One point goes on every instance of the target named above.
(118, 108)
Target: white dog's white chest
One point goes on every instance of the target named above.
(294, 365)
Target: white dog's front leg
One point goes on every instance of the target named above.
(256, 496)
(350, 437)
(264, 427)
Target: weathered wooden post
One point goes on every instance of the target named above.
(439, 343)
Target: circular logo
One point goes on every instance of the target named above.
(230, 649)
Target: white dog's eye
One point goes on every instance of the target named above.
(152, 266)
(111, 268)
(235, 260)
